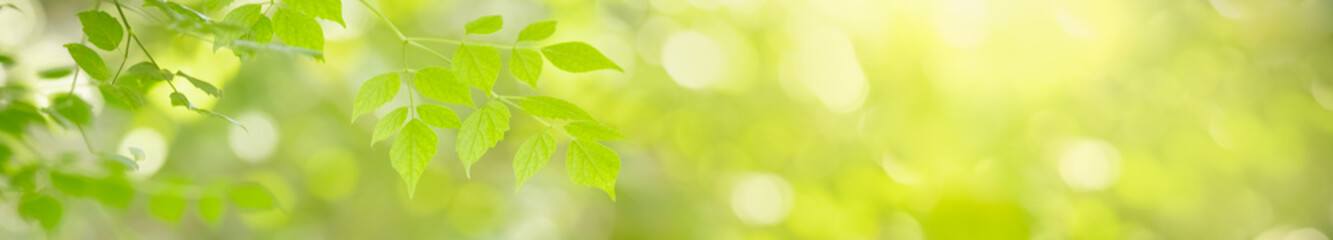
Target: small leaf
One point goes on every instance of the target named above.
(485, 25)
(73, 108)
(121, 96)
(375, 93)
(438, 116)
(219, 116)
(6, 60)
(537, 31)
(442, 84)
(298, 30)
(210, 207)
(532, 156)
(89, 61)
(178, 99)
(239, 21)
(201, 85)
(114, 191)
(480, 132)
(477, 66)
(331, 10)
(411, 151)
(73, 185)
(588, 163)
(590, 130)
(167, 205)
(261, 32)
(526, 65)
(389, 124)
(577, 57)
(549, 107)
(54, 73)
(43, 209)
(251, 196)
(102, 29)
(138, 153)
(121, 161)
(15, 117)
(148, 73)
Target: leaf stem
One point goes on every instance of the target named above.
(505, 99)
(86, 143)
(431, 51)
(386, 20)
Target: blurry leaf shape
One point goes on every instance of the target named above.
(178, 99)
(526, 65)
(6, 60)
(588, 163)
(438, 116)
(375, 93)
(485, 25)
(238, 22)
(246, 47)
(25, 180)
(138, 154)
(210, 206)
(73, 108)
(327, 9)
(17, 115)
(121, 96)
(56, 72)
(549, 107)
(213, 5)
(121, 161)
(251, 196)
(71, 184)
(114, 191)
(298, 30)
(477, 66)
(44, 209)
(89, 61)
(480, 132)
(591, 130)
(261, 31)
(201, 84)
(411, 151)
(577, 57)
(167, 205)
(102, 29)
(537, 31)
(532, 156)
(388, 125)
(442, 84)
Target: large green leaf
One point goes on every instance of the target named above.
(532, 157)
(331, 10)
(480, 132)
(477, 66)
(549, 107)
(214, 5)
(298, 30)
(526, 65)
(577, 57)
(73, 108)
(43, 209)
(102, 29)
(442, 84)
(375, 93)
(588, 163)
(485, 25)
(238, 23)
(251, 196)
(591, 130)
(261, 32)
(411, 151)
(389, 124)
(121, 96)
(89, 61)
(438, 116)
(537, 31)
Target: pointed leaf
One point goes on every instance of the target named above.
(485, 25)
(477, 66)
(89, 61)
(331, 10)
(577, 57)
(56, 72)
(201, 85)
(532, 156)
(43, 209)
(526, 65)
(411, 151)
(121, 96)
(298, 30)
(442, 84)
(537, 31)
(375, 93)
(480, 132)
(588, 163)
(438, 116)
(102, 29)
(389, 125)
(238, 22)
(590, 130)
(73, 108)
(549, 107)
(261, 32)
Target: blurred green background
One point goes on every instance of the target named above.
(762, 119)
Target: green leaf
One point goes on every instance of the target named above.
(214, 5)
(389, 124)
(70, 184)
(590, 130)
(120, 162)
(178, 99)
(480, 132)
(73, 108)
(442, 84)
(201, 85)
(102, 29)
(411, 151)
(43, 209)
(89, 61)
(17, 115)
(239, 22)
(375, 93)
(532, 156)
(526, 65)
(148, 73)
(588, 163)
(57, 72)
(121, 96)
(537, 31)
(298, 30)
(251, 196)
(554, 108)
(477, 66)
(210, 206)
(331, 10)
(438, 116)
(6, 60)
(219, 116)
(485, 25)
(114, 191)
(577, 57)
(138, 153)
(167, 205)
(261, 32)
